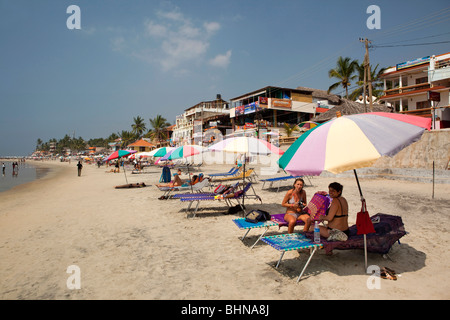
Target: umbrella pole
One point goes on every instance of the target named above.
(359, 187)
(365, 239)
(124, 172)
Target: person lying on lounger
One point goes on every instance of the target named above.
(176, 182)
(294, 201)
(337, 214)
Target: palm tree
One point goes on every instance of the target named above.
(138, 126)
(127, 138)
(344, 70)
(377, 85)
(290, 129)
(38, 143)
(158, 125)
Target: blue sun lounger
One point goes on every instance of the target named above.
(232, 172)
(245, 225)
(278, 179)
(238, 195)
(293, 241)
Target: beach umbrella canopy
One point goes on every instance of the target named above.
(246, 145)
(183, 152)
(352, 142)
(308, 124)
(119, 154)
(160, 152)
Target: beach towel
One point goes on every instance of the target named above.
(165, 176)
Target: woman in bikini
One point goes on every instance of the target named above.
(337, 215)
(293, 202)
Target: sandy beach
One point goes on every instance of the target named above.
(130, 245)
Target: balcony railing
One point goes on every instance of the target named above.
(407, 89)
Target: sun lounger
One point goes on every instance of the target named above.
(238, 195)
(195, 187)
(197, 194)
(388, 230)
(293, 241)
(232, 172)
(277, 179)
(245, 225)
(248, 175)
(280, 179)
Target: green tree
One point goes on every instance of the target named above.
(138, 126)
(377, 84)
(290, 129)
(127, 138)
(158, 126)
(344, 70)
(38, 144)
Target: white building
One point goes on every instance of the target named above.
(420, 87)
(189, 125)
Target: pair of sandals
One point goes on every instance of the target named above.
(163, 198)
(388, 273)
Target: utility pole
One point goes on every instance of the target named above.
(367, 73)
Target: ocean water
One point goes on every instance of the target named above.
(26, 173)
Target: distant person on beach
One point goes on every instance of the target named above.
(294, 201)
(174, 183)
(337, 215)
(80, 166)
(3, 168)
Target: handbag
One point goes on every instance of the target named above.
(257, 215)
(363, 223)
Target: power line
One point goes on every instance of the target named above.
(408, 45)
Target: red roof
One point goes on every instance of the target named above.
(141, 143)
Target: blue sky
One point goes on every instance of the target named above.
(143, 58)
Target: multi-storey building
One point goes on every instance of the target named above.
(420, 87)
(190, 125)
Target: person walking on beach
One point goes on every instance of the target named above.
(80, 166)
(3, 168)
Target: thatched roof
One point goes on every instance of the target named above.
(322, 94)
(348, 107)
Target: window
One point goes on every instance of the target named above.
(423, 105)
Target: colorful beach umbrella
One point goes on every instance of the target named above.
(119, 154)
(183, 152)
(308, 124)
(352, 142)
(246, 145)
(160, 152)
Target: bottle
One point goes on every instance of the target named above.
(316, 232)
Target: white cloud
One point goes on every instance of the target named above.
(221, 60)
(173, 41)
